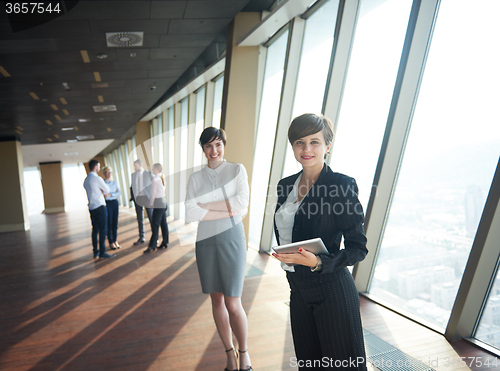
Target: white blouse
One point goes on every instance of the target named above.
(157, 188)
(229, 181)
(285, 217)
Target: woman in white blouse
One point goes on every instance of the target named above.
(217, 197)
(112, 208)
(159, 206)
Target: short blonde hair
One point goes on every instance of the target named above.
(106, 169)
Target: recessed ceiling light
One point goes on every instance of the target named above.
(48, 122)
(85, 56)
(63, 101)
(4, 72)
(57, 117)
(33, 95)
(102, 56)
(133, 55)
(84, 137)
(72, 140)
(104, 108)
(67, 129)
(100, 85)
(66, 86)
(65, 111)
(83, 120)
(54, 107)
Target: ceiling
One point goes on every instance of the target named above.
(78, 152)
(52, 85)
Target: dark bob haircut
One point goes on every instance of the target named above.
(308, 124)
(210, 134)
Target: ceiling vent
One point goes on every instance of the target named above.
(84, 137)
(105, 108)
(124, 39)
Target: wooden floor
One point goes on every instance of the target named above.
(62, 310)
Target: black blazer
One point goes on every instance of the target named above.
(329, 210)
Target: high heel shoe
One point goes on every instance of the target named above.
(149, 249)
(236, 355)
(250, 367)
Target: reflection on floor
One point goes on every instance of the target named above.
(62, 310)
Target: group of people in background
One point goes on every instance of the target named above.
(103, 213)
(147, 192)
(324, 303)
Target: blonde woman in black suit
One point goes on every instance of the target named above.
(324, 301)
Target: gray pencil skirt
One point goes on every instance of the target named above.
(221, 261)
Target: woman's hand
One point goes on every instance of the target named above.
(222, 205)
(216, 215)
(304, 257)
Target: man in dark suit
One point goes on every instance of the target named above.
(139, 192)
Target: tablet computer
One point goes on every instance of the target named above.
(315, 245)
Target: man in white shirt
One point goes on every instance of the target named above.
(139, 191)
(96, 191)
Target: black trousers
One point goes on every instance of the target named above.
(112, 208)
(326, 323)
(159, 219)
(99, 219)
(142, 200)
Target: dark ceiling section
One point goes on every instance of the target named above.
(178, 35)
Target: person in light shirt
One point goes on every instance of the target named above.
(159, 206)
(139, 193)
(112, 208)
(96, 191)
(217, 197)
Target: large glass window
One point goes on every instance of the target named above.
(183, 156)
(199, 124)
(120, 177)
(373, 67)
(73, 176)
(134, 149)
(449, 161)
(171, 162)
(218, 87)
(266, 131)
(153, 144)
(33, 190)
(313, 71)
(488, 330)
(159, 136)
